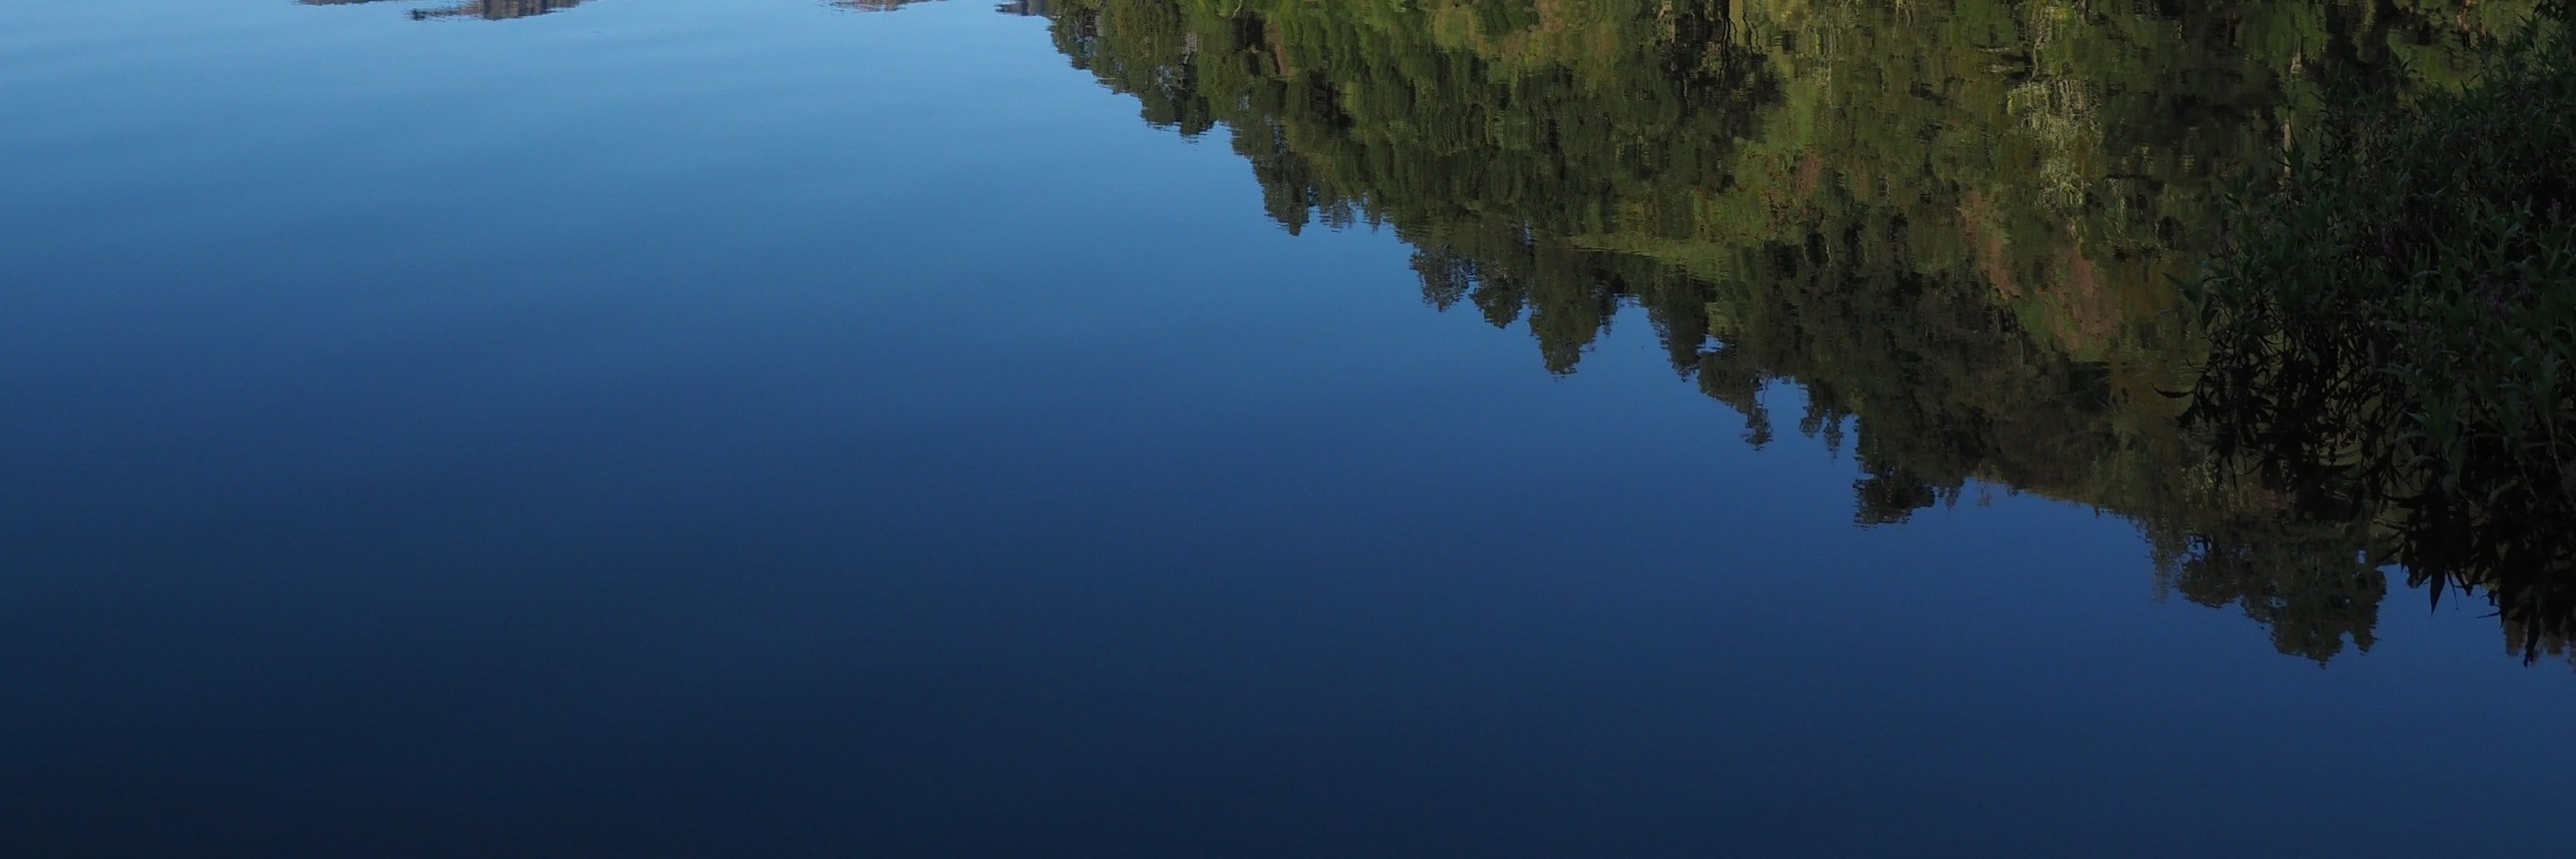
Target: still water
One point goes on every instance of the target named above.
(1178, 428)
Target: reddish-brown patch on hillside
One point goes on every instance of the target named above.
(2088, 312)
(1986, 243)
(1277, 42)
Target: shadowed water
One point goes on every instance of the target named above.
(669, 428)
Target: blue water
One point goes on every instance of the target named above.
(671, 428)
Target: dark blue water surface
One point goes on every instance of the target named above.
(759, 428)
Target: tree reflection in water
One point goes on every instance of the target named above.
(491, 10)
(1957, 228)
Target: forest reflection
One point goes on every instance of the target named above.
(491, 10)
(1958, 228)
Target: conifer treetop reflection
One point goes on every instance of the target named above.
(1956, 228)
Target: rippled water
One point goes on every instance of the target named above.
(658, 427)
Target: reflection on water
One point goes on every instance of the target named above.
(492, 10)
(1956, 227)
(495, 10)
(804, 433)
(874, 5)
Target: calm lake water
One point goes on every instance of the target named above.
(1179, 428)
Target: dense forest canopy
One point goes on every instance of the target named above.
(1957, 227)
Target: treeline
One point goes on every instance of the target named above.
(1958, 227)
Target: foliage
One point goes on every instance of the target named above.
(2393, 323)
(1955, 226)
